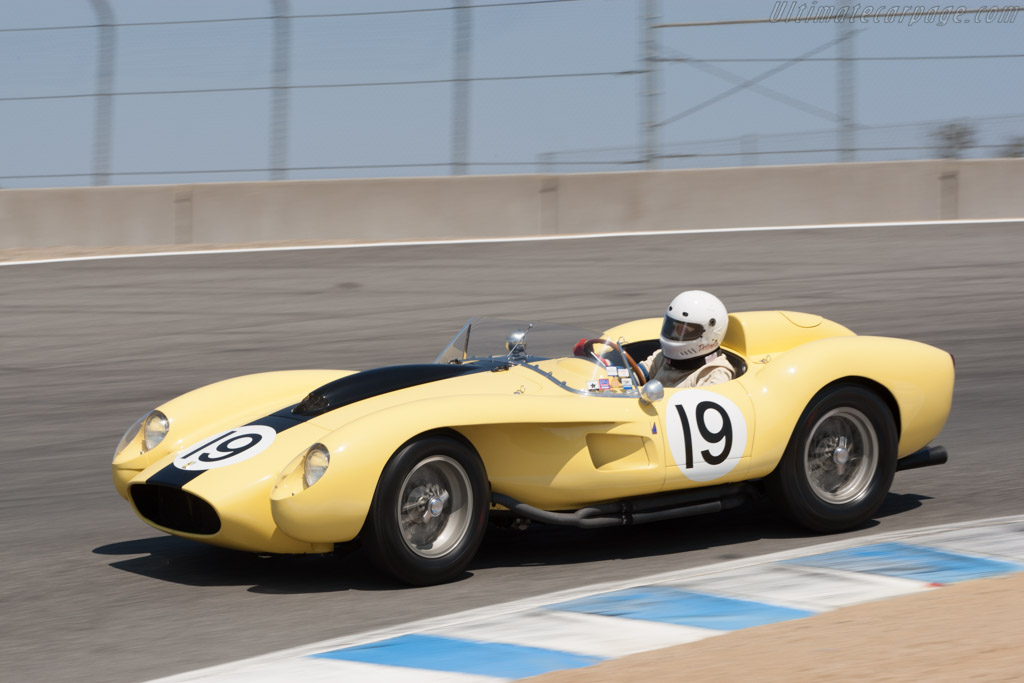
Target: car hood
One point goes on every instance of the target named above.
(287, 431)
(370, 383)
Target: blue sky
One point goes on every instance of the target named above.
(510, 121)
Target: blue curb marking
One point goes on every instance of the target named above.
(429, 657)
(910, 562)
(686, 608)
(461, 656)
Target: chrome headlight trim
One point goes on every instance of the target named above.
(154, 429)
(314, 463)
(129, 435)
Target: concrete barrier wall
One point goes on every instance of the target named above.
(498, 206)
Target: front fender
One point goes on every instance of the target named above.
(919, 378)
(215, 408)
(333, 510)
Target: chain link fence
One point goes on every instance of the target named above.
(997, 136)
(118, 92)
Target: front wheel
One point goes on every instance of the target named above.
(429, 512)
(840, 461)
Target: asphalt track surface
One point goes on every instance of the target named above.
(90, 593)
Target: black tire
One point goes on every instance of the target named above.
(828, 484)
(429, 512)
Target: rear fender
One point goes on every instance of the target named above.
(750, 333)
(918, 377)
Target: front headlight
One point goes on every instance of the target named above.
(130, 435)
(315, 464)
(155, 430)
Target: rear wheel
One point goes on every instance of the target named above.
(429, 512)
(840, 461)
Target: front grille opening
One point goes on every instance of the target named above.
(175, 509)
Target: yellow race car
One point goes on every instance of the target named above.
(412, 459)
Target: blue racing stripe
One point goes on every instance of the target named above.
(501, 660)
(677, 606)
(910, 562)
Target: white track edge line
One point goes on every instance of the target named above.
(525, 604)
(528, 238)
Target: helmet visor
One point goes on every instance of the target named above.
(677, 330)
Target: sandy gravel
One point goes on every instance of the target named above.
(970, 631)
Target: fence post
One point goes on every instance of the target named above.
(103, 132)
(847, 92)
(546, 162)
(463, 46)
(748, 149)
(280, 95)
(650, 93)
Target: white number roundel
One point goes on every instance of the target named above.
(706, 433)
(226, 448)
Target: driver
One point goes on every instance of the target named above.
(694, 327)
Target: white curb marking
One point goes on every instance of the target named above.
(809, 588)
(531, 238)
(1002, 543)
(526, 623)
(585, 634)
(309, 670)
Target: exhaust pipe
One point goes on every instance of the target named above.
(682, 504)
(926, 457)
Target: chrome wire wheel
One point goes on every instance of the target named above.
(435, 506)
(841, 456)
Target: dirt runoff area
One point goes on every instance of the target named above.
(970, 631)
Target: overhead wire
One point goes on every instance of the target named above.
(894, 58)
(224, 20)
(321, 86)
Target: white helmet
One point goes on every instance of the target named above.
(695, 325)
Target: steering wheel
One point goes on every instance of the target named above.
(589, 345)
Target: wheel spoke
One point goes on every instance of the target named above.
(841, 456)
(435, 505)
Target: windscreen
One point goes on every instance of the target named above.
(576, 358)
(488, 338)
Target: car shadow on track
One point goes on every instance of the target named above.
(177, 560)
(542, 545)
